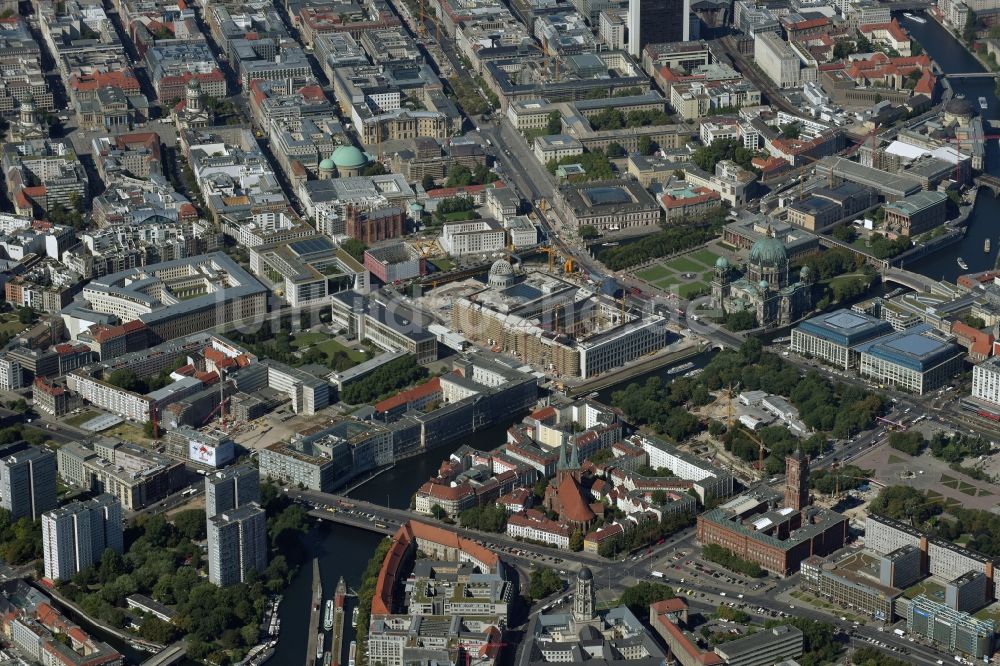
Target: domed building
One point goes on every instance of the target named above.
(190, 112)
(501, 274)
(765, 288)
(958, 111)
(28, 125)
(348, 161)
(327, 169)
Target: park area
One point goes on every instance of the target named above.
(688, 275)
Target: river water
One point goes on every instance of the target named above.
(984, 223)
(344, 551)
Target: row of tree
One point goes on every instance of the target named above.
(730, 560)
(686, 233)
(645, 533)
(389, 378)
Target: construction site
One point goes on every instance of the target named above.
(567, 329)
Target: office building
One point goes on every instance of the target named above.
(28, 483)
(901, 568)
(656, 21)
(777, 59)
(308, 269)
(777, 532)
(231, 488)
(392, 326)
(138, 477)
(763, 648)
(833, 336)
(968, 592)
(172, 298)
(939, 558)
(237, 544)
(949, 628)
(473, 237)
(986, 380)
(75, 536)
(915, 360)
(849, 585)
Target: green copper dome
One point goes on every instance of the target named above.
(348, 157)
(722, 263)
(768, 251)
(327, 165)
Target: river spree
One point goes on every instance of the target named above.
(984, 223)
(344, 551)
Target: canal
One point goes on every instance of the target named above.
(984, 223)
(344, 551)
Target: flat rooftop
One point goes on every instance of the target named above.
(915, 348)
(845, 327)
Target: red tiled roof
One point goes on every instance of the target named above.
(406, 535)
(704, 195)
(571, 503)
(415, 393)
(892, 27)
(675, 605)
(544, 413)
(809, 23)
(121, 79)
(447, 192)
(446, 491)
(684, 643)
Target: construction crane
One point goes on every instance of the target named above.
(222, 415)
(836, 469)
(421, 28)
(553, 255)
(729, 405)
(760, 448)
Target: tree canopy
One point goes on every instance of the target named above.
(395, 374)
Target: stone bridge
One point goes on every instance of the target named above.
(915, 281)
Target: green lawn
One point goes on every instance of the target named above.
(79, 419)
(10, 324)
(686, 290)
(653, 273)
(706, 257)
(130, 433)
(685, 265)
(307, 339)
(331, 346)
(893, 459)
(443, 264)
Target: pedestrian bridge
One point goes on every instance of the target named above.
(914, 281)
(972, 75)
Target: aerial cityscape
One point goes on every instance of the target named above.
(500, 332)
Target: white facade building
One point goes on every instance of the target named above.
(75, 536)
(237, 544)
(777, 59)
(985, 380)
(473, 237)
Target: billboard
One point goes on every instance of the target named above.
(206, 454)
